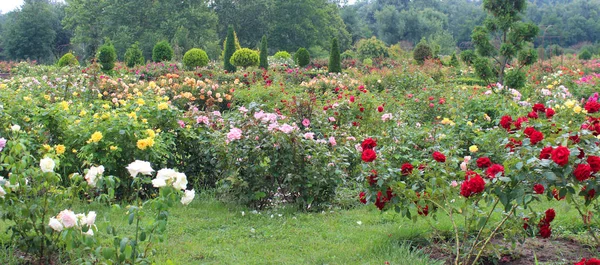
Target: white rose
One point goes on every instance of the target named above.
(180, 181)
(163, 176)
(89, 232)
(100, 169)
(15, 128)
(2, 192)
(139, 166)
(81, 219)
(91, 218)
(55, 224)
(188, 197)
(47, 164)
(90, 176)
(67, 218)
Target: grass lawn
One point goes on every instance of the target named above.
(211, 232)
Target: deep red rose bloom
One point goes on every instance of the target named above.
(407, 169)
(594, 162)
(545, 231)
(538, 107)
(389, 193)
(362, 197)
(550, 113)
(590, 194)
(439, 157)
(556, 194)
(477, 184)
(422, 167)
(550, 214)
(536, 137)
(591, 261)
(519, 121)
(592, 106)
(545, 153)
(505, 122)
(380, 201)
(560, 155)
(582, 172)
(473, 184)
(368, 143)
(581, 153)
(424, 211)
(484, 162)
(372, 179)
(465, 189)
(575, 138)
(493, 170)
(513, 143)
(525, 223)
(368, 155)
(361, 109)
(380, 108)
(538, 188)
(528, 131)
(533, 115)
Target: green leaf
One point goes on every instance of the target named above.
(123, 244)
(131, 216)
(519, 165)
(550, 176)
(108, 253)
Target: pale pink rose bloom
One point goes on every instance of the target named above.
(286, 128)
(216, 113)
(463, 166)
(67, 218)
(358, 147)
(332, 141)
(454, 183)
(350, 138)
(234, 134)
(243, 109)
(309, 136)
(259, 115)
(331, 119)
(306, 122)
(202, 119)
(181, 123)
(273, 126)
(466, 159)
(386, 117)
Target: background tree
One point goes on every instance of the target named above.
(335, 65)
(264, 53)
(229, 50)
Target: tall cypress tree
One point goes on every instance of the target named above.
(229, 50)
(264, 53)
(335, 66)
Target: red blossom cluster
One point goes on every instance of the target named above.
(472, 185)
(591, 261)
(368, 154)
(544, 224)
(437, 156)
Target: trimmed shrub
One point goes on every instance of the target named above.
(468, 56)
(245, 57)
(134, 56)
(335, 64)
(527, 57)
(454, 61)
(585, 55)
(237, 43)
(264, 53)
(422, 52)
(162, 52)
(68, 60)
(107, 56)
(282, 55)
(483, 69)
(515, 79)
(194, 58)
(229, 50)
(371, 48)
(302, 57)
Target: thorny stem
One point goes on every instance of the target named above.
(481, 229)
(449, 213)
(493, 233)
(588, 224)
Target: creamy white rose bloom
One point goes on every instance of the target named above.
(188, 197)
(67, 218)
(81, 219)
(100, 169)
(15, 128)
(90, 176)
(139, 166)
(55, 224)
(180, 181)
(47, 164)
(91, 218)
(89, 232)
(2, 192)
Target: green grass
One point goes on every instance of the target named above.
(212, 232)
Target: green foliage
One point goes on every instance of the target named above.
(264, 53)
(454, 60)
(585, 55)
(483, 69)
(422, 52)
(245, 57)
(527, 56)
(237, 42)
(468, 56)
(368, 62)
(371, 48)
(229, 50)
(162, 51)
(348, 55)
(515, 79)
(302, 57)
(195, 58)
(335, 64)
(282, 55)
(68, 60)
(134, 56)
(107, 56)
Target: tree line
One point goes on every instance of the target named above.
(43, 30)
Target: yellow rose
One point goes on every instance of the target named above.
(106, 106)
(113, 148)
(64, 105)
(96, 137)
(163, 106)
(47, 97)
(473, 149)
(577, 109)
(140, 101)
(60, 149)
(82, 113)
(150, 133)
(142, 144)
(47, 147)
(145, 121)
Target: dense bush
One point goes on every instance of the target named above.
(422, 52)
(468, 56)
(162, 52)
(68, 60)
(302, 57)
(282, 55)
(483, 69)
(134, 56)
(527, 56)
(371, 48)
(107, 56)
(245, 57)
(515, 79)
(335, 63)
(195, 58)
(585, 55)
(454, 61)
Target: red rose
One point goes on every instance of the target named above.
(380, 108)
(361, 109)
(550, 113)
(536, 137)
(513, 143)
(473, 184)
(592, 106)
(407, 169)
(591, 261)
(368, 143)
(519, 121)
(528, 131)
(372, 179)
(532, 115)
(362, 197)
(590, 194)
(560, 155)
(505, 122)
(594, 162)
(477, 184)
(493, 170)
(484, 162)
(581, 153)
(538, 188)
(465, 189)
(424, 211)
(545, 153)
(575, 138)
(525, 223)
(582, 172)
(368, 155)
(538, 107)
(545, 231)
(550, 214)
(380, 201)
(439, 157)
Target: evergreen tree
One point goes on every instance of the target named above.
(264, 53)
(335, 65)
(229, 50)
